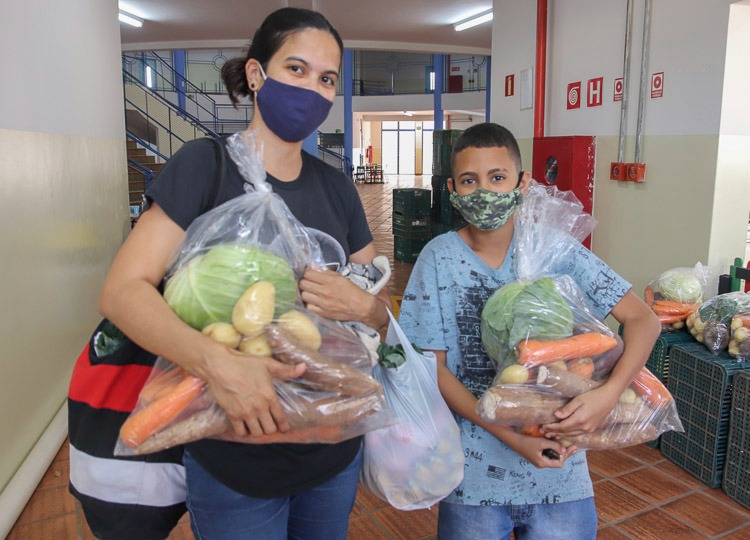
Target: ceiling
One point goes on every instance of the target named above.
(408, 25)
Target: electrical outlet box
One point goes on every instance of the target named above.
(616, 171)
(635, 172)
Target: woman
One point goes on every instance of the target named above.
(237, 490)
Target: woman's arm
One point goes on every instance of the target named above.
(641, 328)
(331, 295)
(242, 385)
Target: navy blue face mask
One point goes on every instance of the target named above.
(291, 112)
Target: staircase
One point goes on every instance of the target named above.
(137, 179)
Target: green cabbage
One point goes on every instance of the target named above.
(520, 311)
(680, 286)
(205, 290)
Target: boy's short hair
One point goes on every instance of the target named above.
(487, 135)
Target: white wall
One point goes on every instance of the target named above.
(642, 227)
(64, 185)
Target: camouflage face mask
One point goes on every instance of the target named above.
(486, 210)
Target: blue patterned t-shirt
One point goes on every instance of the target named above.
(441, 310)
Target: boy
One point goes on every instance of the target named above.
(510, 482)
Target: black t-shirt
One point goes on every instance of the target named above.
(321, 197)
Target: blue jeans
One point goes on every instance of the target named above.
(220, 513)
(574, 520)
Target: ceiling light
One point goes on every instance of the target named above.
(473, 21)
(130, 19)
(408, 113)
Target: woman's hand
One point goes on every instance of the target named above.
(242, 385)
(331, 295)
(584, 413)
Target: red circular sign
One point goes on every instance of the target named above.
(573, 96)
(657, 82)
(618, 86)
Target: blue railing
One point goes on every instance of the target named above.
(148, 174)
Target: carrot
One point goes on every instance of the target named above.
(648, 296)
(651, 388)
(666, 307)
(581, 366)
(160, 385)
(669, 319)
(532, 430)
(532, 352)
(142, 424)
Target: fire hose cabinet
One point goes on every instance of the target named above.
(568, 163)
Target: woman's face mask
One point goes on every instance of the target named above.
(487, 210)
(290, 112)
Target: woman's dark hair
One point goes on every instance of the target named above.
(487, 135)
(268, 39)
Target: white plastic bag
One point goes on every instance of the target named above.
(418, 461)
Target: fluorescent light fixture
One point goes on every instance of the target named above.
(408, 113)
(473, 21)
(130, 19)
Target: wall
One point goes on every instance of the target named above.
(62, 149)
(692, 170)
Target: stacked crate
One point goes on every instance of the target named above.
(736, 482)
(701, 384)
(411, 222)
(444, 217)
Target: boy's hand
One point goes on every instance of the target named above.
(583, 414)
(540, 452)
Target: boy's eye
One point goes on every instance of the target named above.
(467, 181)
(498, 178)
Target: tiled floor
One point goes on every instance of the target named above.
(639, 494)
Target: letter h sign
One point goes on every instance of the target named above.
(594, 92)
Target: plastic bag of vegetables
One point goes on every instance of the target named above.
(548, 346)
(715, 320)
(235, 278)
(739, 344)
(676, 293)
(418, 461)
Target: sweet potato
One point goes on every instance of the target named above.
(617, 436)
(322, 373)
(563, 382)
(522, 405)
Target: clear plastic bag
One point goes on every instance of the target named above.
(235, 278)
(739, 345)
(418, 461)
(676, 293)
(714, 323)
(547, 345)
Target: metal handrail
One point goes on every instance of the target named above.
(172, 86)
(145, 145)
(192, 119)
(142, 169)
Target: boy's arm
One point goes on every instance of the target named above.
(462, 402)
(641, 328)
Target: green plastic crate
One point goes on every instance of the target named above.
(412, 202)
(407, 249)
(736, 483)
(411, 227)
(701, 384)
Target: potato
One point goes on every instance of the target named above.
(741, 334)
(734, 349)
(223, 333)
(257, 346)
(515, 374)
(560, 363)
(629, 396)
(736, 323)
(302, 328)
(254, 309)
